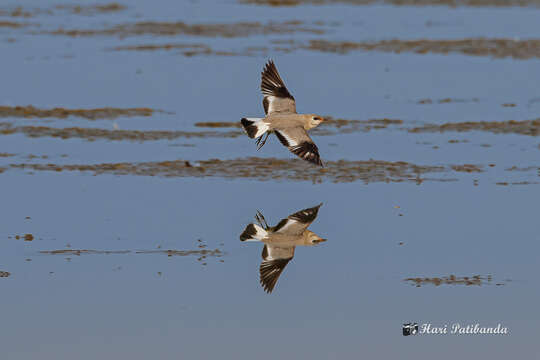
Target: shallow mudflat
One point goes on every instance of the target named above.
(525, 127)
(62, 113)
(497, 48)
(451, 3)
(240, 29)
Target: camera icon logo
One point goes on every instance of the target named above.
(410, 329)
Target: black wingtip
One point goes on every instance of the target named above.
(272, 83)
(248, 232)
(249, 127)
(308, 151)
(270, 272)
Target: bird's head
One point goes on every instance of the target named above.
(315, 120)
(310, 238)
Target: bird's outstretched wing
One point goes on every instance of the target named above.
(275, 258)
(299, 143)
(296, 223)
(277, 99)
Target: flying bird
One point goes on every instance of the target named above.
(281, 118)
(280, 242)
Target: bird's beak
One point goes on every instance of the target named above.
(319, 241)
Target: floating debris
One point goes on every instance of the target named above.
(4, 274)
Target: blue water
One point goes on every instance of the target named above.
(345, 298)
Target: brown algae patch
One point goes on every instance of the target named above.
(240, 29)
(525, 127)
(62, 113)
(92, 134)
(497, 48)
(450, 3)
(263, 169)
(476, 280)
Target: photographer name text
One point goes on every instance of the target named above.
(462, 329)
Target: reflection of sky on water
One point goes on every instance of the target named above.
(348, 296)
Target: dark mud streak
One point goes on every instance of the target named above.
(62, 113)
(203, 252)
(330, 126)
(450, 3)
(263, 169)
(468, 168)
(446, 101)
(154, 47)
(92, 9)
(22, 12)
(190, 50)
(241, 29)
(476, 280)
(12, 25)
(496, 48)
(92, 134)
(525, 127)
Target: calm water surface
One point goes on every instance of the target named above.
(133, 267)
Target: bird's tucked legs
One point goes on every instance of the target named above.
(261, 144)
(260, 219)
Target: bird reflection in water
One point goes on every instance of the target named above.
(280, 242)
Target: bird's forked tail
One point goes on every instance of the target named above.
(254, 127)
(253, 232)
